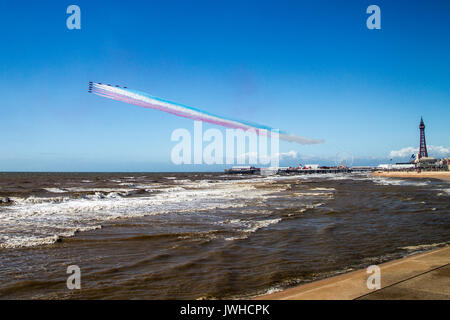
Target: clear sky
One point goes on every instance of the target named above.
(311, 68)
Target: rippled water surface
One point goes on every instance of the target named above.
(206, 235)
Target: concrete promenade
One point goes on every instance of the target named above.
(422, 276)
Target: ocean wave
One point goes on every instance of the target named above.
(271, 290)
(445, 192)
(424, 246)
(314, 194)
(37, 200)
(61, 199)
(55, 190)
(63, 212)
(397, 182)
(105, 190)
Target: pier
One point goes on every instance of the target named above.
(296, 171)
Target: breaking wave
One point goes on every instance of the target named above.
(43, 220)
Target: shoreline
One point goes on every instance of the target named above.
(441, 175)
(419, 276)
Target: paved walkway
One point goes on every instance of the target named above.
(421, 276)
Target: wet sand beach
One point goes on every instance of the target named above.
(442, 175)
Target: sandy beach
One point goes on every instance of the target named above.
(419, 277)
(442, 175)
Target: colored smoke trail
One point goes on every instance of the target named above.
(147, 101)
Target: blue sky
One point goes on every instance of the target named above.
(311, 68)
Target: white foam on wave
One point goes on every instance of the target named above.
(35, 200)
(443, 192)
(55, 190)
(424, 246)
(27, 241)
(398, 182)
(324, 189)
(272, 290)
(186, 181)
(314, 194)
(82, 189)
(246, 227)
(16, 241)
(61, 199)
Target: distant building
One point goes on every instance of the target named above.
(445, 163)
(422, 160)
(423, 145)
(311, 166)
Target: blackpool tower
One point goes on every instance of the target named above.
(423, 145)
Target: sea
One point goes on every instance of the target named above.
(206, 235)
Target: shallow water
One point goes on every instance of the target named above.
(206, 235)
